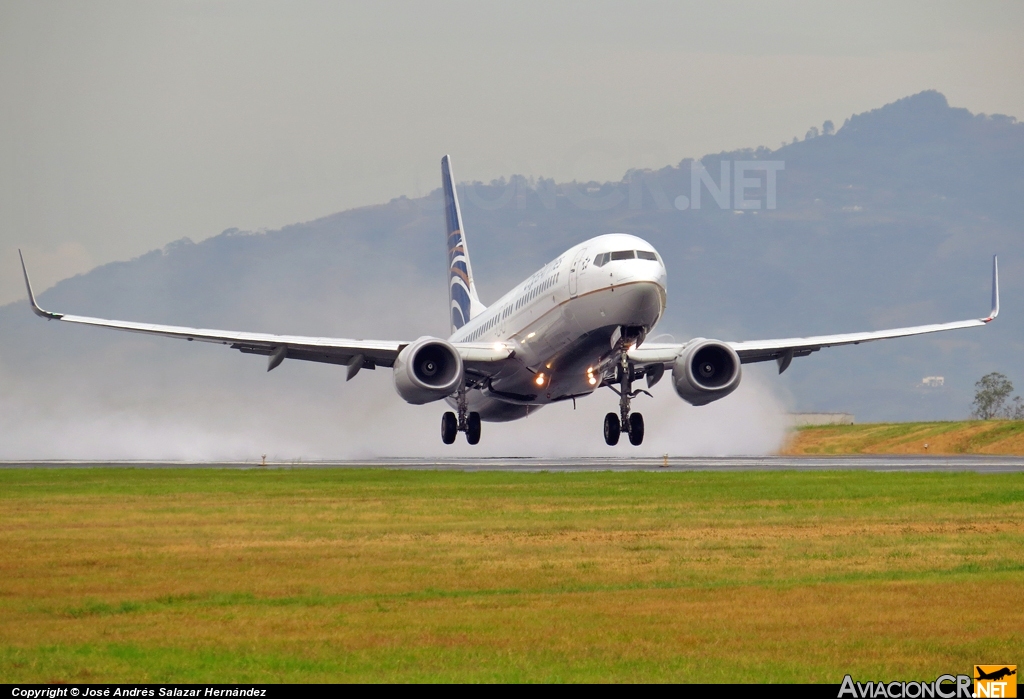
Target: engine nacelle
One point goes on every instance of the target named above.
(706, 371)
(427, 370)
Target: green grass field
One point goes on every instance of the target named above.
(347, 575)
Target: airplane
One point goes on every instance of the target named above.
(577, 324)
(995, 675)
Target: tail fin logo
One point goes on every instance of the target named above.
(458, 280)
(460, 275)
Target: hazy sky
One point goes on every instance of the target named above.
(125, 125)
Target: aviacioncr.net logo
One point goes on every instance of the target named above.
(944, 687)
(995, 681)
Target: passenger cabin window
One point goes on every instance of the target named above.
(646, 255)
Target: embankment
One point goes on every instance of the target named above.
(968, 437)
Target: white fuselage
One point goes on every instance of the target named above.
(563, 322)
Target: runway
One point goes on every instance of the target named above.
(896, 463)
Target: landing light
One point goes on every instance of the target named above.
(530, 335)
(539, 380)
(498, 346)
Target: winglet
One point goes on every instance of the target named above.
(32, 297)
(995, 290)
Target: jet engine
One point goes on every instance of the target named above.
(705, 371)
(427, 370)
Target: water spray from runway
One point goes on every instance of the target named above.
(229, 411)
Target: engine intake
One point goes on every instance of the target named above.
(427, 370)
(705, 371)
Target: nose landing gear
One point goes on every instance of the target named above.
(630, 423)
(636, 429)
(473, 428)
(449, 427)
(466, 422)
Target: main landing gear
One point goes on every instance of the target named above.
(630, 423)
(634, 428)
(466, 422)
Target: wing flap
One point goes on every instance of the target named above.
(342, 357)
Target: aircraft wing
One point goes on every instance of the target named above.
(355, 354)
(785, 349)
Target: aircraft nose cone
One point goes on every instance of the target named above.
(643, 302)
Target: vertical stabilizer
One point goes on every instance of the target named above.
(463, 301)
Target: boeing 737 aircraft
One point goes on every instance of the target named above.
(574, 326)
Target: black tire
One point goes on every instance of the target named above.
(473, 428)
(449, 427)
(636, 429)
(612, 428)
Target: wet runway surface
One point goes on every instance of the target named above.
(977, 464)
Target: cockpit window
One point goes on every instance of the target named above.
(606, 257)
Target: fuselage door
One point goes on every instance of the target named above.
(574, 271)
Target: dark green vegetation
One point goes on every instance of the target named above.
(992, 398)
(320, 575)
(966, 437)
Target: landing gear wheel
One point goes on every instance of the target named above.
(449, 427)
(612, 428)
(473, 428)
(636, 429)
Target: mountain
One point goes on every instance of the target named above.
(891, 220)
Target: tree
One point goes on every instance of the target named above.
(811, 133)
(1015, 411)
(990, 397)
(828, 128)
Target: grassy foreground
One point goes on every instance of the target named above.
(967, 437)
(337, 575)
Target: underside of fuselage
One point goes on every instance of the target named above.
(566, 353)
